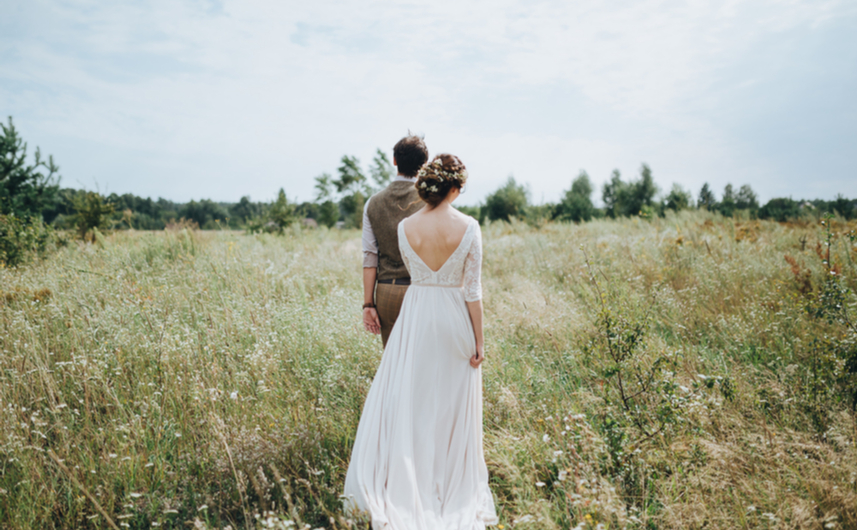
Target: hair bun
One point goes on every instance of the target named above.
(438, 177)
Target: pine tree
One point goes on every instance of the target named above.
(282, 212)
(25, 190)
(706, 199)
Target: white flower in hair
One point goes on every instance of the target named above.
(423, 184)
(433, 189)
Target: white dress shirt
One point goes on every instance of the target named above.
(368, 240)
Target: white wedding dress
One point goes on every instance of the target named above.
(417, 461)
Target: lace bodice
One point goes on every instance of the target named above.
(462, 268)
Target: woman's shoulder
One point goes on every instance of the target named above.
(472, 222)
(464, 217)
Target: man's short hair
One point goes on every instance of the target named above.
(410, 154)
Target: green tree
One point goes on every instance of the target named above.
(629, 198)
(382, 170)
(243, 210)
(92, 212)
(329, 213)
(678, 199)
(282, 212)
(614, 194)
(780, 209)
(641, 193)
(351, 178)
(576, 204)
(324, 185)
(510, 200)
(746, 199)
(353, 189)
(706, 199)
(728, 201)
(204, 212)
(351, 209)
(25, 190)
(843, 206)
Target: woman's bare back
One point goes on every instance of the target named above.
(435, 234)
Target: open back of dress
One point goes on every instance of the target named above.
(417, 461)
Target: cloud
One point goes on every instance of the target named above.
(189, 99)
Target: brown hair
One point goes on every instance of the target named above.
(438, 177)
(410, 154)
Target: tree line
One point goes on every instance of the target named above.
(33, 205)
(641, 197)
(339, 200)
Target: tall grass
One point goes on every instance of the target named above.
(216, 379)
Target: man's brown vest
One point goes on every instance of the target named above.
(386, 209)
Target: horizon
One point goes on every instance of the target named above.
(596, 197)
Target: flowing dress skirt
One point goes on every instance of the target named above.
(417, 461)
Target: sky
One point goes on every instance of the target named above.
(191, 99)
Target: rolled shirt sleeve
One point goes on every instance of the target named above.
(368, 241)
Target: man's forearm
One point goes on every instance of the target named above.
(369, 275)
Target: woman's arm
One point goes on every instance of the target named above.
(473, 289)
(475, 309)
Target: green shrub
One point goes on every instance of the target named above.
(92, 212)
(23, 239)
(507, 202)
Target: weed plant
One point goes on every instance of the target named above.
(682, 372)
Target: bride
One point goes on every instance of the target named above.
(417, 461)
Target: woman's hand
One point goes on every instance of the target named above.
(478, 357)
(370, 320)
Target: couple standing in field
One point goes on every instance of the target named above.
(417, 461)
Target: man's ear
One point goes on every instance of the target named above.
(394, 161)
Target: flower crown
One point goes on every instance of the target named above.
(435, 171)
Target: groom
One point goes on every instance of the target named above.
(383, 269)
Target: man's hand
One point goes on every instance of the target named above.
(370, 320)
(478, 357)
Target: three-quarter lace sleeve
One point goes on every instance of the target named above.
(472, 283)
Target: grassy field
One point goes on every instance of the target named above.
(686, 372)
